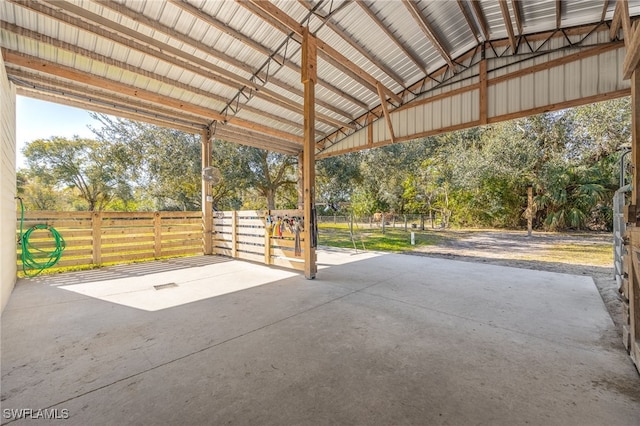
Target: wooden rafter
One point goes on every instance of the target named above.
(469, 19)
(506, 16)
(385, 111)
(158, 26)
(621, 19)
(427, 30)
(276, 17)
(414, 58)
(558, 14)
(353, 43)
(632, 58)
(80, 92)
(62, 71)
(477, 10)
(202, 67)
(131, 43)
(515, 5)
(104, 109)
(137, 70)
(221, 26)
(258, 140)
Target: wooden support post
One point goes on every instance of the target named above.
(309, 78)
(529, 210)
(234, 234)
(301, 181)
(96, 234)
(157, 234)
(634, 282)
(483, 91)
(207, 202)
(267, 246)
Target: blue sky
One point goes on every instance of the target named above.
(41, 120)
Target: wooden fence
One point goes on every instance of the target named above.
(96, 238)
(249, 235)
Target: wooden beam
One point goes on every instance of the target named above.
(414, 58)
(469, 19)
(40, 65)
(255, 139)
(484, 102)
(477, 10)
(354, 44)
(90, 95)
(506, 16)
(428, 31)
(616, 20)
(137, 70)
(181, 58)
(632, 58)
(515, 5)
(276, 15)
(635, 137)
(158, 26)
(308, 77)
(558, 14)
(387, 117)
(207, 204)
(105, 109)
(221, 26)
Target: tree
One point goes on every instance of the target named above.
(270, 172)
(85, 165)
(165, 163)
(336, 179)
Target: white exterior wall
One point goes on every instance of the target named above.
(7, 187)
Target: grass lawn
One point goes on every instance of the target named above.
(394, 240)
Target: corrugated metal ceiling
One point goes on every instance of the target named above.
(249, 67)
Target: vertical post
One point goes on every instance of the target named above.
(234, 233)
(301, 181)
(529, 210)
(309, 77)
(96, 236)
(267, 246)
(157, 234)
(483, 91)
(207, 202)
(634, 284)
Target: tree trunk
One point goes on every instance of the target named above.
(271, 199)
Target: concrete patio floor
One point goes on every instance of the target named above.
(375, 339)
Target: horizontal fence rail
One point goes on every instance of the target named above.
(97, 238)
(260, 236)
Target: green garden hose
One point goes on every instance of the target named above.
(34, 258)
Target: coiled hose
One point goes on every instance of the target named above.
(33, 258)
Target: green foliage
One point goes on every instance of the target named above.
(83, 165)
(476, 177)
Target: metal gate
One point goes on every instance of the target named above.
(619, 228)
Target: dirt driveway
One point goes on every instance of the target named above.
(577, 254)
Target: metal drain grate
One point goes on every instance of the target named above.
(163, 286)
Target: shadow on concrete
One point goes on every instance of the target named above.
(127, 270)
(375, 339)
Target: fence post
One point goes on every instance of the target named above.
(234, 233)
(405, 223)
(383, 223)
(157, 234)
(96, 237)
(267, 246)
